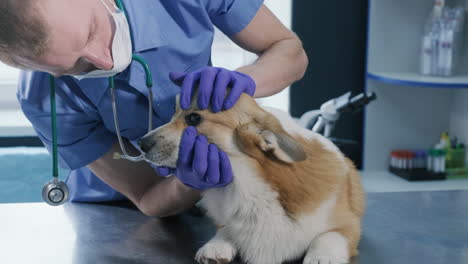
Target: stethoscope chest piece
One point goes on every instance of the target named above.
(55, 192)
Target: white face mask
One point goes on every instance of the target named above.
(121, 47)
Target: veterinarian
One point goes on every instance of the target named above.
(84, 42)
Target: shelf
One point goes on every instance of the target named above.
(411, 109)
(416, 79)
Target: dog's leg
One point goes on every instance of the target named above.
(328, 248)
(217, 251)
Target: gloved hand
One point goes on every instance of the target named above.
(200, 165)
(212, 87)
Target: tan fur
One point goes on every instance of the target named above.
(350, 209)
(356, 195)
(302, 186)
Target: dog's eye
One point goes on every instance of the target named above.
(193, 119)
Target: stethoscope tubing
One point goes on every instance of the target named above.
(54, 187)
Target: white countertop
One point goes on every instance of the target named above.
(13, 123)
(384, 181)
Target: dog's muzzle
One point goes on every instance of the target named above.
(158, 150)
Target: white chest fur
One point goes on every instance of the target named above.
(255, 222)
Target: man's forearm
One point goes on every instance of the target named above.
(168, 197)
(278, 67)
(138, 181)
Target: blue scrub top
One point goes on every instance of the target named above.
(171, 36)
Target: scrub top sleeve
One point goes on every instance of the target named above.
(82, 137)
(232, 16)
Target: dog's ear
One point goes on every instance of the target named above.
(177, 102)
(282, 146)
(270, 140)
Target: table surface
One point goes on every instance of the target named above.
(412, 227)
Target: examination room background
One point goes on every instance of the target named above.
(333, 33)
(372, 46)
(25, 165)
(334, 36)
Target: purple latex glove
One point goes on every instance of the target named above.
(212, 87)
(200, 165)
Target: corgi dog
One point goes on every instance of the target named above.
(293, 195)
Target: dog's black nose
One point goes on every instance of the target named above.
(145, 144)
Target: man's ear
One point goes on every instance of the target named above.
(271, 141)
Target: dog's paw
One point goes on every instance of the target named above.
(329, 248)
(309, 259)
(216, 252)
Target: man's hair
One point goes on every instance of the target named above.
(22, 33)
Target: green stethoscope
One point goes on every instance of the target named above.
(56, 192)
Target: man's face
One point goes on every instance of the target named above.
(80, 37)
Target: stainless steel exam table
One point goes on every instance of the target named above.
(409, 227)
